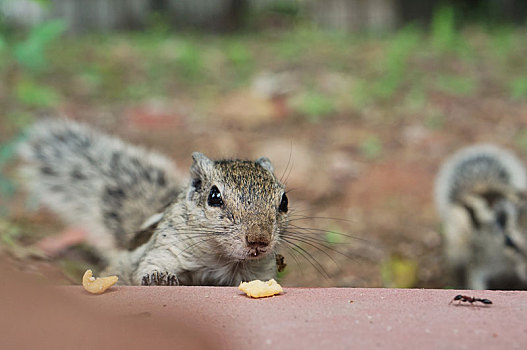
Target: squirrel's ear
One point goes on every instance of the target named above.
(201, 166)
(265, 163)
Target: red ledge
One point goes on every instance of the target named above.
(301, 318)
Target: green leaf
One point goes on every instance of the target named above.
(313, 105)
(394, 65)
(6, 152)
(20, 119)
(334, 237)
(372, 147)
(43, 3)
(456, 85)
(434, 121)
(7, 188)
(518, 88)
(3, 43)
(35, 95)
(238, 54)
(399, 272)
(190, 61)
(30, 53)
(443, 27)
(521, 140)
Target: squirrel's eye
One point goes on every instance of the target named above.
(283, 204)
(214, 199)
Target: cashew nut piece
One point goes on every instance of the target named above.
(97, 285)
(260, 289)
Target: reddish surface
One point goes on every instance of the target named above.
(328, 318)
(40, 316)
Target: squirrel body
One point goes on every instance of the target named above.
(480, 198)
(154, 227)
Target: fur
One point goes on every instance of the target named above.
(120, 192)
(480, 198)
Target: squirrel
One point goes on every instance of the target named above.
(480, 197)
(220, 227)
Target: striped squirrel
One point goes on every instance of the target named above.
(480, 196)
(219, 227)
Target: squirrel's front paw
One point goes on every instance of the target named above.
(159, 279)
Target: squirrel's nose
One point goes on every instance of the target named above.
(254, 241)
(256, 247)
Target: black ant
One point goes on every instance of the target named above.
(471, 300)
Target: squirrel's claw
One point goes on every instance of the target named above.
(160, 279)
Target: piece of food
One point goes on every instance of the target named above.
(260, 289)
(97, 285)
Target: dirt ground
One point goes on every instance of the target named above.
(365, 172)
(385, 203)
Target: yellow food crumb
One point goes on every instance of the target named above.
(97, 285)
(260, 289)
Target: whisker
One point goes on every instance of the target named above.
(318, 248)
(298, 217)
(289, 172)
(304, 253)
(315, 231)
(288, 162)
(234, 272)
(317, 243)
(293, 255)
(188, 247)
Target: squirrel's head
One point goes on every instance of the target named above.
(499, 220)
(244, 204)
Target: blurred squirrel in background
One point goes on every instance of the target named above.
(219, 227)
(480, 196)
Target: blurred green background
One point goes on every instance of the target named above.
(365, 97)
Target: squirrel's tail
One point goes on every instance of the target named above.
(482, 169)
(96, 181)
